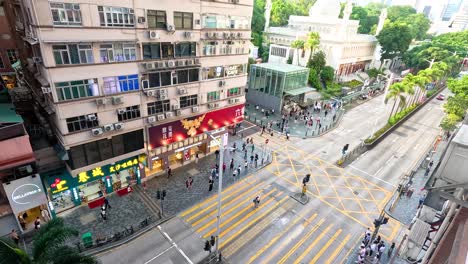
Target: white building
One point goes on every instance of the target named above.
(346, 50)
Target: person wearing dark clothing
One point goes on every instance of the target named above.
(106, 203)
(169, 172)
(210, 188)
(231, 165)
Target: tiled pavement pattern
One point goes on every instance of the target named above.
(133, 208)
(296, 128)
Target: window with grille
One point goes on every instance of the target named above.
(65, 14)
(190, 100)
(212, 96)
(76, 89)
(83, 122)
(158, 107)
(116, 16)
(156, 19)
(233, 92)
(119, 84)
(117, 52)
(130, 113)
(165, 78)
(183, 20)
(73, 54)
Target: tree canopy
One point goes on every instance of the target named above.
(258, 22)
(282, 9)
(398, 12)
(394, 39)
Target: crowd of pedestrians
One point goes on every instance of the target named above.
(373, 250)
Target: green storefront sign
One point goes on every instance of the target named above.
(99, 172)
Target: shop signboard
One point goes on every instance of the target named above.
(189, 127)
(106, 170)
(25, 193)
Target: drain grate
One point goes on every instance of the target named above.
(356, 193)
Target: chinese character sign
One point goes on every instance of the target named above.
(107, 170)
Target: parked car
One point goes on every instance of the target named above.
(441, 97)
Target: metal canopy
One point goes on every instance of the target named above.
(299, 91)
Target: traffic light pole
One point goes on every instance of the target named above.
(376, 230)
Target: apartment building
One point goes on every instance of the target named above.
(131, 86)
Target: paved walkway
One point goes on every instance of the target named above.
(132, 209)
(295, 124)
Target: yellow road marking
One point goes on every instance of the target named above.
(298, 244)
(267, 246)
(215, 204)
(225, 222)
(322, 250)
(311, 246)
(338, 249)
(255, 187)
(197, 206)
(225, 241)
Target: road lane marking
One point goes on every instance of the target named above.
(384, 181)
(225, 222)
(316, 240)
(199, 205)
(248, 224)
(272, 241)
(225, 205)
(160, 254)
(215, 203)
(298, 244)
(325, 247)
(331, 259)
(175, 245)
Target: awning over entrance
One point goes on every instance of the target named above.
(299, 91)
(15, 151)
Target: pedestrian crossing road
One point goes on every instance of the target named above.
(282, 230)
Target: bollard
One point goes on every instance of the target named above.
(255, 120)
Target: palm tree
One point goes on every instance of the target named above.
(312, 42)
(48, 247)
(396, 92)
(297, 45)
(418, 83)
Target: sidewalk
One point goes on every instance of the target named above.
(406, 207)
(132, 209)
(297, 128)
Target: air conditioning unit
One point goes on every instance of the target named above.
(178, 112)
(151, 93)
(97, 131)
(109, 127)
(216, 35)
(188, 34)
(181, 63)
(182, 91)
(37, 59)
(226, 34)
(170, 28)
(240, 35)
(163, 96)
(101, 101)
(169, 114)
(46, 90)
(195, 109)
(161, 64)
(189, 62)
(152, 34)
(121, 111)
(119, 126)
(171, 64)
(117, 100)
(233, 35)
(151, 119)
(237, 100)
(213, 105)
(161, 117)
(221, 83)
(197, 61)
(175, 107)
(149, 66)
(163, 91)
(91, 117)
(231, 101)
(141, 20)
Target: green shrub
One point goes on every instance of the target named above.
(353, 83)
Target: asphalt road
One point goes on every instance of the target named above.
(342, 202)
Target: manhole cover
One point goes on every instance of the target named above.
(355, 193)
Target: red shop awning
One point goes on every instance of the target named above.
(15, 152)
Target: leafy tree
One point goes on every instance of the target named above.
(374, 72)
(394, 40)
(449, 122)
(366, 21)
(459, 86)
(314, 80)
(397, 12)
(327, 74)
(312, 42)
(258, 22)
(280, 12)
(333, 90)
(49, 246)
(419, 25)
(456, 105)
(317, 62)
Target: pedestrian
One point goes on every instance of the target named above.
(246, 166)
(256, 201)
(196, 158)
(45, 215)
(103, 213)
(326, 113)
(421, 200)
(245, 154)
(378, 239)
(373, 248)
(106, 203)
(210, 187)
(287, 136)
(263, 130)
(431, 163)
(252, 147)
(256, 160)
(224, 167)
(37, 223)
(390, 250)
(213, 173)
(428, 169)
(234, 174)
(234, 147)
(239, 170)
(409, 193)
(188, 183)
(169, 172)
(243, 146)
(362, 251)
(251, 159)
(14, 236)
(217, 154)
(231, 165)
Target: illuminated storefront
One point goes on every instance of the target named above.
(175, 143)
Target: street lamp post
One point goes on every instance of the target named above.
(389, 82)
(220, 188)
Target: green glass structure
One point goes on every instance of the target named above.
(270, 84)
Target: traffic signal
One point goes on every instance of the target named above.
(212, 241)
(385, 220)
(306, 179)
(345, 148)
(376, 223)
(158, 195)
(207, 246)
